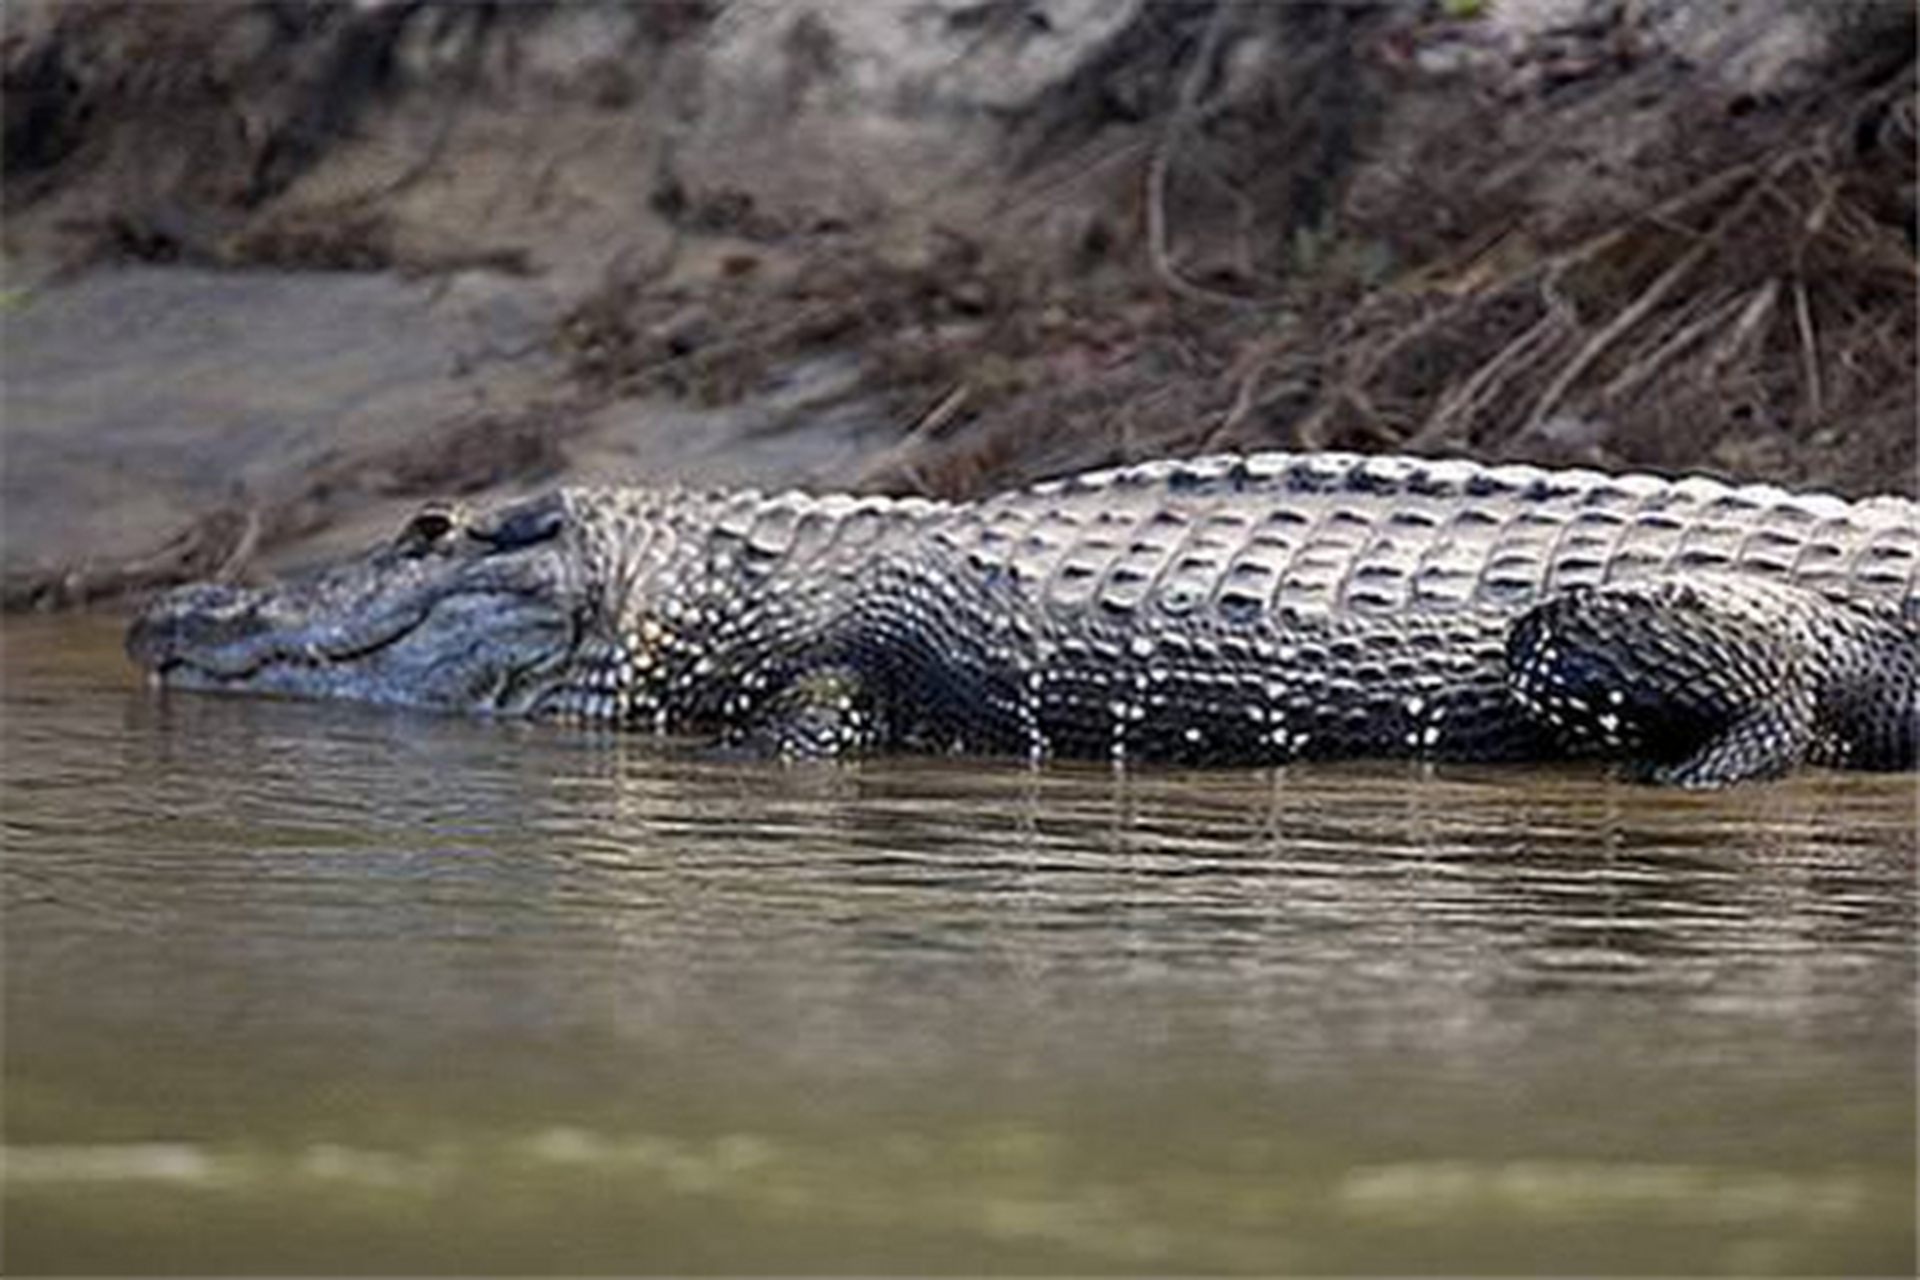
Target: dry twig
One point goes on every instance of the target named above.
(1179, 121)
(1639, 309)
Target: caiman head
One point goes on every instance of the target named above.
(470, 611)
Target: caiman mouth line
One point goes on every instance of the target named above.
(215, 664)
(287, 657)
(253, 659)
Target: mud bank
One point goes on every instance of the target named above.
(275, 273)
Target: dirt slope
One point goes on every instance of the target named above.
(945, 246)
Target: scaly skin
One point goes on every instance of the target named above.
(1227, 610)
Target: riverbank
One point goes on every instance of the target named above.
(272, 277)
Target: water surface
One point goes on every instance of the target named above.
(293, 987)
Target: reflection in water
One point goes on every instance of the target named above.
(918, 1014)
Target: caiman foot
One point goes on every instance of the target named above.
(823, 714)
(1697, 683)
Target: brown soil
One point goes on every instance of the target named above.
(1169, 255)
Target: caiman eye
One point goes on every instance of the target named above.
(430, 528)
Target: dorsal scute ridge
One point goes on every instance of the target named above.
(1281, 474)
(738, 512)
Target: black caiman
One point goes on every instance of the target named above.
(1228, 610)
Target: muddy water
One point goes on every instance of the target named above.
(292, 987)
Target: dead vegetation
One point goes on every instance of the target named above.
(1244, 268)
(1759, 320)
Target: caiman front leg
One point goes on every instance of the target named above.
(1710, 681)
(824, 712)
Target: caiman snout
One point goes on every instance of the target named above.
(202, 619)
(445, 616)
